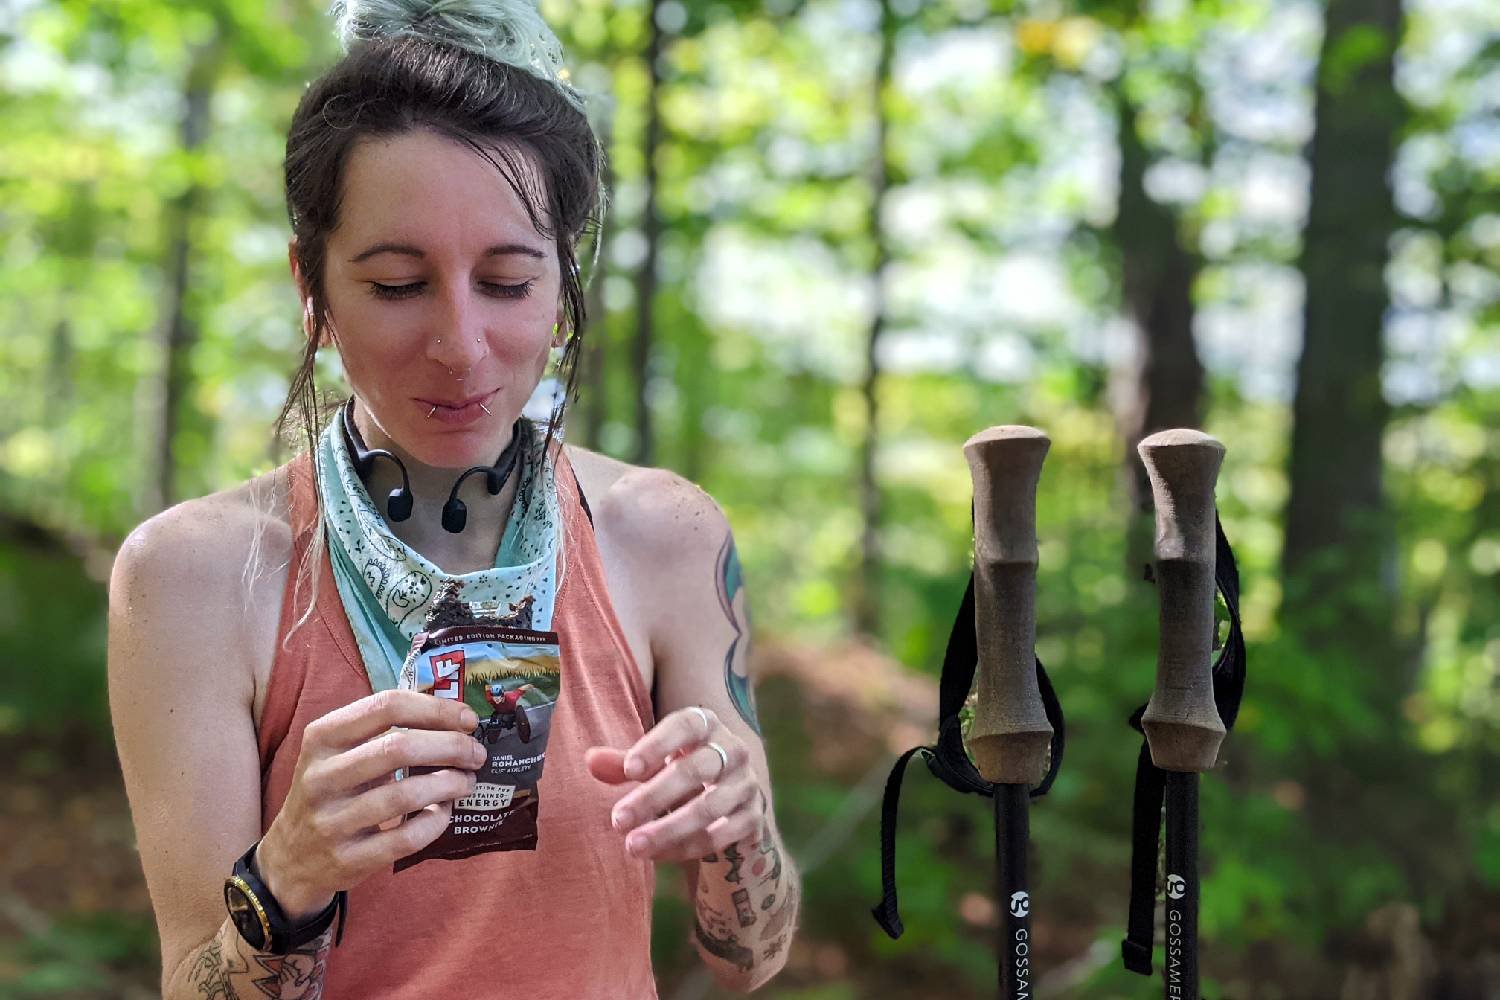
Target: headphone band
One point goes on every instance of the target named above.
(399, 503)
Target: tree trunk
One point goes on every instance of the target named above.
(1337, 566)
(57, 401)
(1156, 279)
(177, 331)
(645, 282)
(1338, 582)
(867, 589)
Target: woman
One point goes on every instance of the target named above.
(439, 179)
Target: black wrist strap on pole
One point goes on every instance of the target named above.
(947, 759)
(1150, 780)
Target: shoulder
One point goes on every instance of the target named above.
(205, 544)
(207, 571)
(655, 511)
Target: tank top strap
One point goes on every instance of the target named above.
(309, 607)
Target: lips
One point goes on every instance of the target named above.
(457, 404)
(463, 412)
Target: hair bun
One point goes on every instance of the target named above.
(507, 31)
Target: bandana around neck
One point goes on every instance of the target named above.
(387, 587)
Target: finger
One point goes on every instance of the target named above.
(401, 798)
(683, 777)
(393, 750)
(684, 729)
(370, 716)
(677, 832)
(382, 849)
(736, 827)
(744, 826)
(606, 764)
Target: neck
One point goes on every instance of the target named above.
(468, 551)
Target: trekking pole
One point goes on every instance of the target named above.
(1010, 735)
(1181, 722)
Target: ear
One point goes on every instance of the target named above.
(291, 260)
(560, 329)
(304, 296)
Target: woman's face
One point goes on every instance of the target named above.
(442, 297)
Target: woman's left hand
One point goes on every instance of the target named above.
(693, 800)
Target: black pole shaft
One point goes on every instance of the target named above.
(1180, 971)
(1012, 829)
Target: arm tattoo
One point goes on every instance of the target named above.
(211, 970)
(220, 969)
(736, 859)
(295, 976)
(743, 908)
(746, 918)
(777, 922)
(730, 580)
(723, 945)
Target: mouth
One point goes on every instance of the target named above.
(457, 404)
(456, 411)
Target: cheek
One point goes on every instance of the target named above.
(372, 339)
(520, 332)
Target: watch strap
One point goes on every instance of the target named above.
(284, 935)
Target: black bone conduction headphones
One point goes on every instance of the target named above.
(398, 504)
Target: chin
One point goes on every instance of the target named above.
(452, 440)
(457, 448)
(458, 451)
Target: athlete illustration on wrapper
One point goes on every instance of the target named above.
(508, 712)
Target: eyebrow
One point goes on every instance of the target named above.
(406, 249)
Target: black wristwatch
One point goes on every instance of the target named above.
(261, 921)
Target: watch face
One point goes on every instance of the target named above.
(245, 914)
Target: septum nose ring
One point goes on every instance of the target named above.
(460, 378)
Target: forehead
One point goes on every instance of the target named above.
(427, 186)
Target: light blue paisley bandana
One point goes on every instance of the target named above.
(387, 587)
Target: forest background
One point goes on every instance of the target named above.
(846, 235)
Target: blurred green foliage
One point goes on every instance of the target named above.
(999, 113)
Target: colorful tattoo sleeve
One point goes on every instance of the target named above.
(731, 584)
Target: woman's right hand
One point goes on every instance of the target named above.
(331, 831)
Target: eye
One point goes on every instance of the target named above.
(395, 291)
(381, 291)
(507, 291)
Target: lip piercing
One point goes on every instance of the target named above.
(486, 409)
(431, 412)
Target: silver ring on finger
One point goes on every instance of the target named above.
(723, 759)
(708, 726)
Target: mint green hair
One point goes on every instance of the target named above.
(507, 31)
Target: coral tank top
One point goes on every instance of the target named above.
(568, 921)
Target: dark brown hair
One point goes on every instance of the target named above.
(391, 86)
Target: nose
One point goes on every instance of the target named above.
(457, 338)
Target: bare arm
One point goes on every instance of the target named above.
(744, 888)
(745, 897)
(183, 637)
(181, 688)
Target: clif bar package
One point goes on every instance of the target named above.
(510, 677)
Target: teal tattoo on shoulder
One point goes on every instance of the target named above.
(731, 583)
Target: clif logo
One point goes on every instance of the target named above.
(1176, 887)
(1020, 904)
(448, 674)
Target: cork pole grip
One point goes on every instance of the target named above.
(1181, 723)
(1010, 736)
